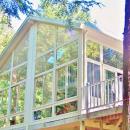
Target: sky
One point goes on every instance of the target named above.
(109, 18)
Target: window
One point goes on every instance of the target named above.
(7, 65)
(65, 35)
(21, 52)
(46, 38)
(44, 63)
(93, 76)
(19, 74)
(67, 53)
(112, 58)
(17, 98)
(44, 113)
(93, 73)
(72, 80)
(4, 80)
(3, 102)
(67, 107)
(16, 120)
(61, 82)
(3, 122)
(93, 50)
(66, 82)
(43, 89)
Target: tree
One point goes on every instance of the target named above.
(126, 68)
(58, 11)
(6, 34)
(70, 11)
(12, 8)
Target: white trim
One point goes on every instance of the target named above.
(29, 89)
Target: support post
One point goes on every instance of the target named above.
(101, 124)
(82, 125)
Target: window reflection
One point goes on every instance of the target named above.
(93, 76)
(21, 52)
(3, 102)
(67, 107)
(17, 98)
(93, 50)
(66, 82)
(46, 38)
(4, 80)
(16, 120)
(44, 63)
(19, 74)
(41, 114)
(112, 58)
(67, 53)
(43, 89)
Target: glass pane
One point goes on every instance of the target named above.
(14, 99)
(65, 108)
(61, 80)
(109, 74)
(45, 62)
(19, 74)
(20, 54)
(93, 73)
(16, 120)
(21, 97)
(17, 98)
(46, 38)
(38, 91)
(4, 80)
(112, 57)
(3, 123)
(67, 53)
(90, 77)
(41, 114)
(96, 73)
(47, 88)
(3, 102)
(93, 50)
(65, 35)
(1, 111)
(6, 65)
(93, 76)
(72, 80)
(110, 84)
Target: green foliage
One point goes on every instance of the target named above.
(6, 34)
(59, 11)
(93, 50)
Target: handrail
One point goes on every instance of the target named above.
(103, 94)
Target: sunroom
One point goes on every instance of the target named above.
(49, 73)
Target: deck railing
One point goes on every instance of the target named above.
(103, 94)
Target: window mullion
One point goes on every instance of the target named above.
(66, 81)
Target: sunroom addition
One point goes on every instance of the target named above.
(50, 73)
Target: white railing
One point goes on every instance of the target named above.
(103, 94)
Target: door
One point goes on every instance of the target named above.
(94, 88)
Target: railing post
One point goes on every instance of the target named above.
(101, 124)
(86, 98)
(82, 125)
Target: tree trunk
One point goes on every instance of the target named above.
(126, 68)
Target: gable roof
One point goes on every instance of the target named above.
(28, 22)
